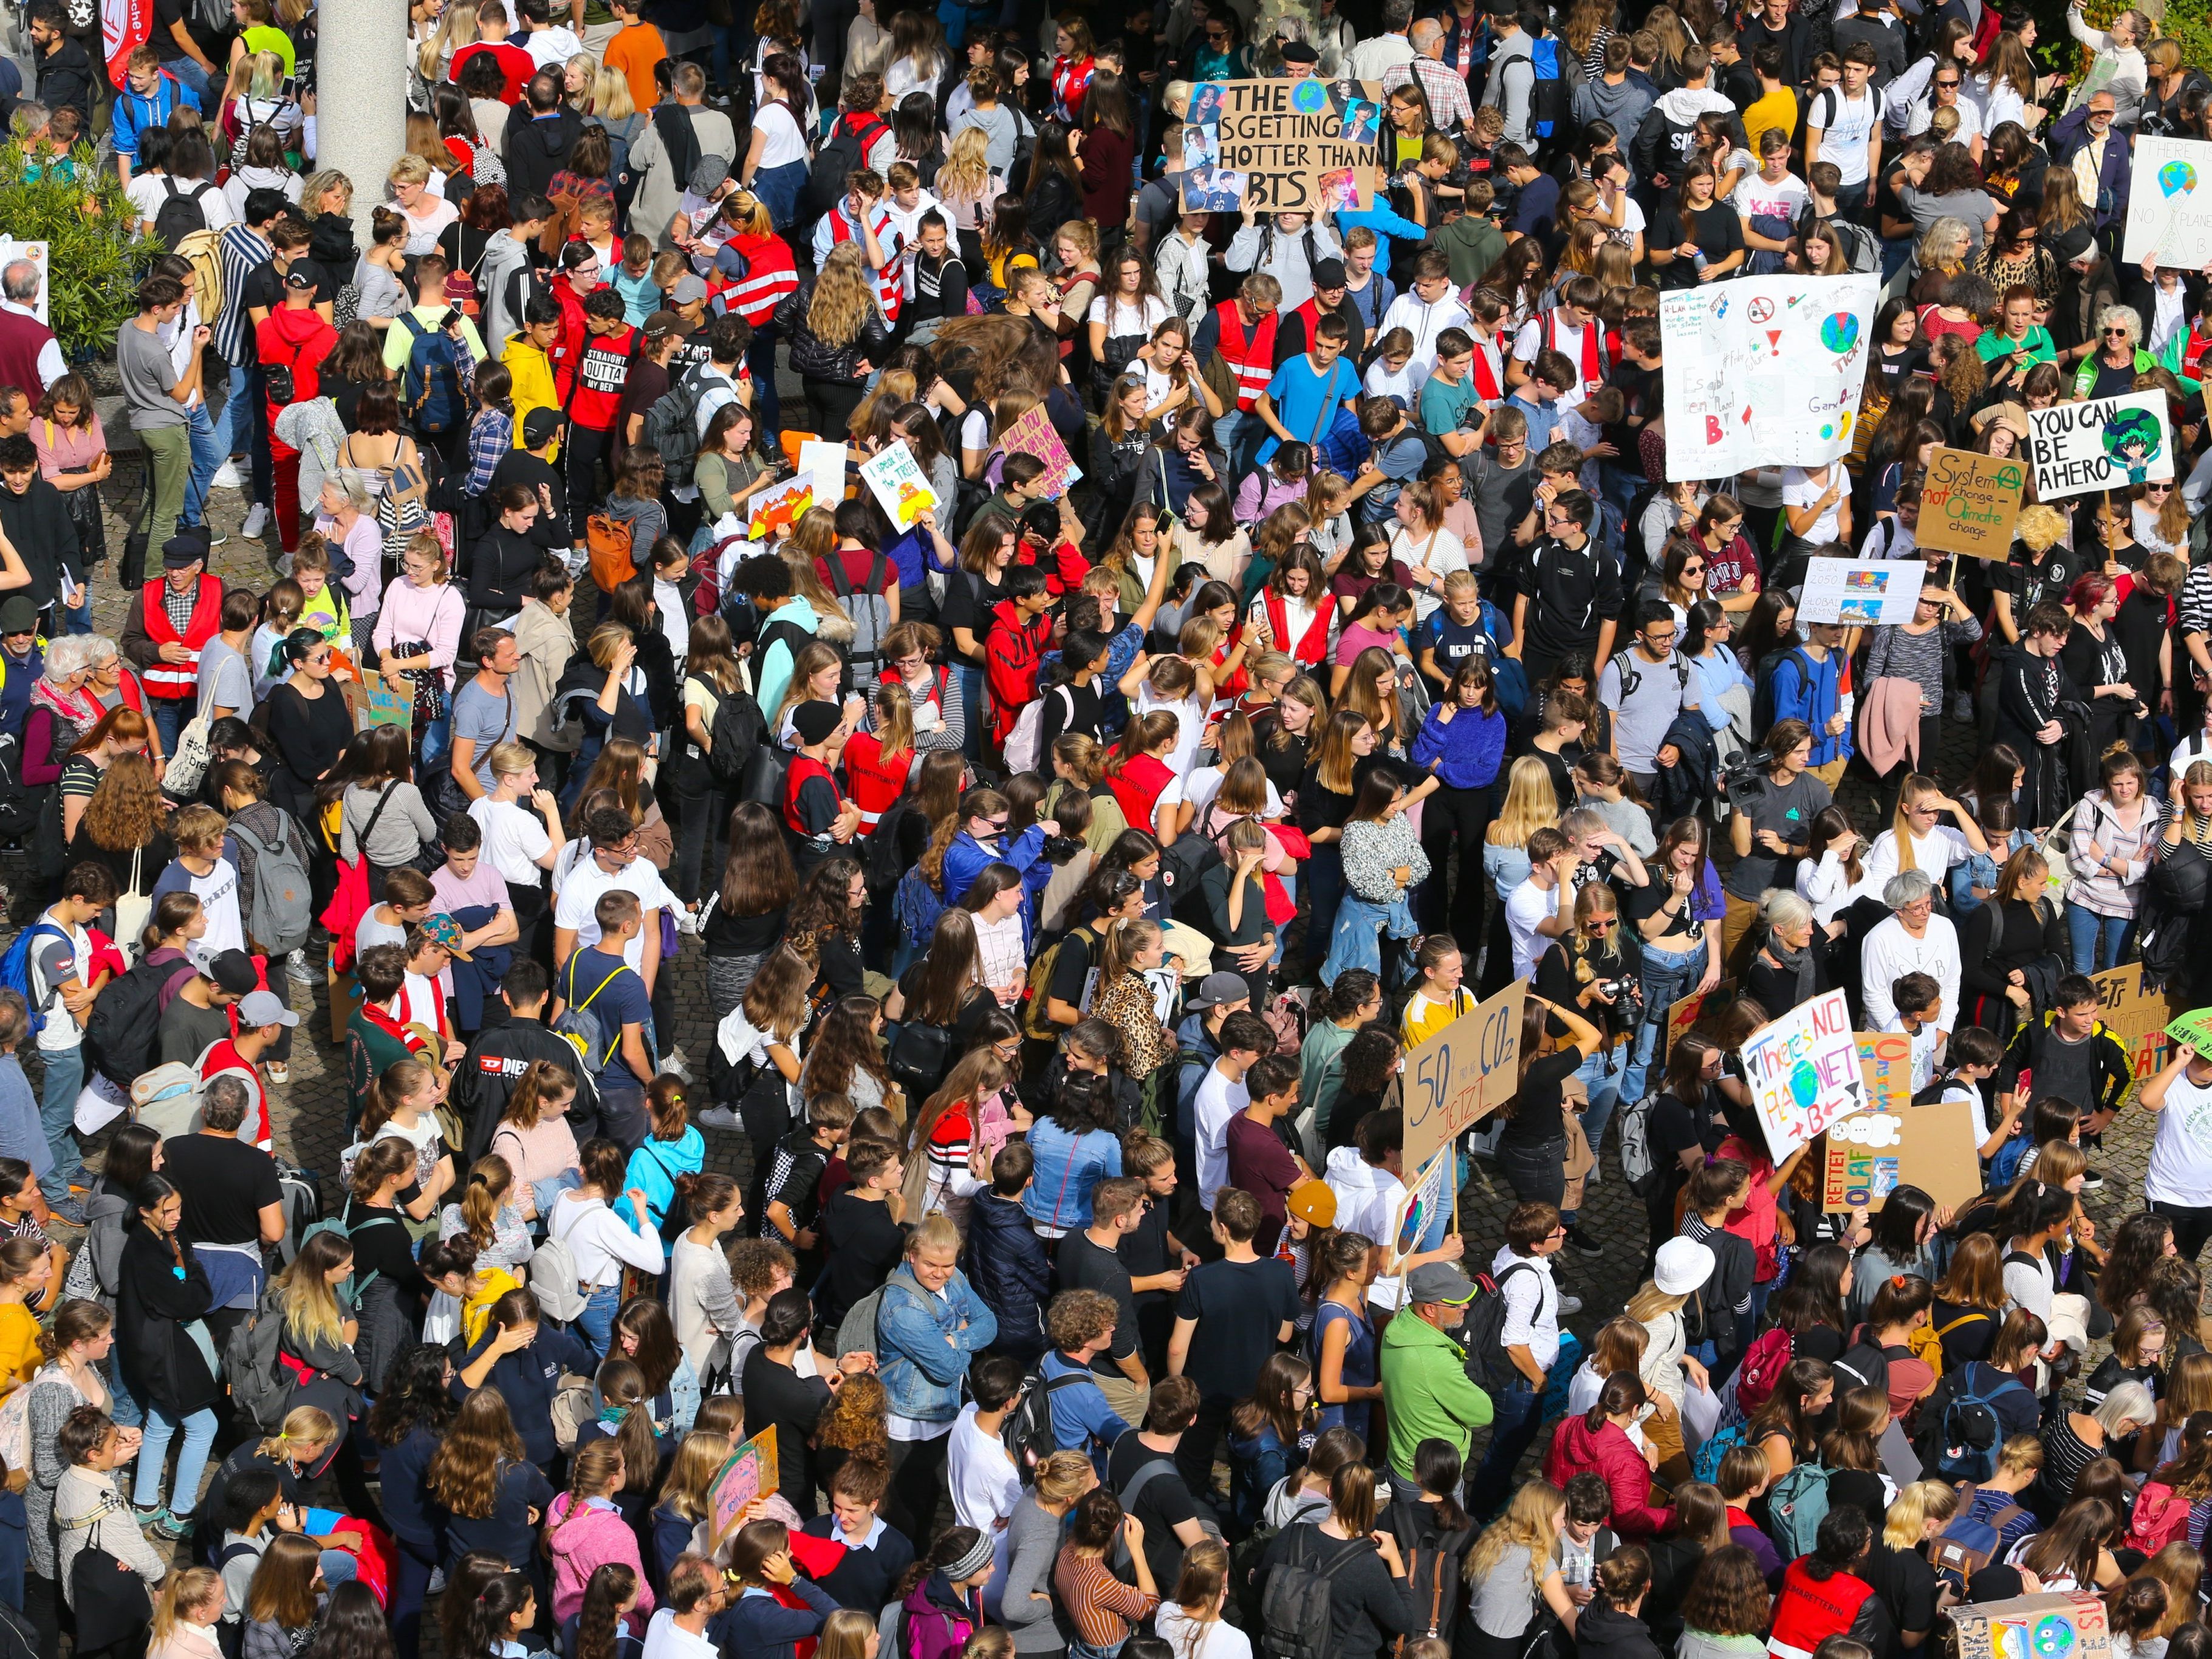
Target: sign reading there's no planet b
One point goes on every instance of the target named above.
(1969, 502)
(2106, 443)
(2170, 203)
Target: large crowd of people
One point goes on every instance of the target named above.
(1074, 861)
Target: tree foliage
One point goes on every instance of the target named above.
(96, 254)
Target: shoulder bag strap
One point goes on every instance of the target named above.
(368, 829)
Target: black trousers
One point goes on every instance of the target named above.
(1194, 1456)
(2191, 1227)
(585, 450)
(1454, 818)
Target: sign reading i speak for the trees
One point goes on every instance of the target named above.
(1463, 1074)
(1280, 146)
(1968, 503)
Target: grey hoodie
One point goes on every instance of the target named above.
(1624, 106)
(502, 256)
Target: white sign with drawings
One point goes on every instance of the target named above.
(1763, 370)
(1861, 592)
(10, 251)
(2170, 203)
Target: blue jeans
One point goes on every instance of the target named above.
(760, 356)
(192, 1459)
(969, 679)
(1603, 1075)
(1324, 874)
(206, 457)
(57, 1115)
(437, 740)
(596, 1321)
(167, 715)
(1667, 975)
(2098, 941)
(190, 73)
(79, 621)
(244, 428)
(1513, 1425)
(122, 1406)
(1357, 940)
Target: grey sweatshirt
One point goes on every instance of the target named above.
(405, 825)
(1033, 1543)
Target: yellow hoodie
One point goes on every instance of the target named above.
(533, 380)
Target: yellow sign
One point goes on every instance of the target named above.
(1968, 503)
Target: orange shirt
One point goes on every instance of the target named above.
(635, 50)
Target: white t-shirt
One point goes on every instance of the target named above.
(1370, 1210)
(1442, 553)
(514, 838)
(1846, 125)
(1889, 539)
(54, 963)
(217, 892)
(1799, 489)
(1529, 905)
(1631, 227)
(1192, 1638)
(1147, 314)
(666, 1639)
(1201, 787)
(1190, 724)
(1567, 342)
(985, 1484)
(2181, 1151)
(1219, 1100)
(580, 894)
(783, 142)
(1779, 200)
(148, 190)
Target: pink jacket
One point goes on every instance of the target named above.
(1609, 1451)
(598, 1537)
(412, 613)
(1889, 722)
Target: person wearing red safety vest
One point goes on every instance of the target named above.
(1294, 612)
(864, 216)
(1242, 333)
(1823, 1594)
(164, 634)
(1572, 329)
(816, 812)
(758, 262)
(879, 763)
(1485, 320)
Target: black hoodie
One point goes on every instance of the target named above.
(536, 148)
(1604, 1631)
(65, 77)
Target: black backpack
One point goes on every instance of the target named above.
(737, 732)
(1027, 1435)
(1482, 1333)
(181, 213)
(120, 1039)
(843, 153)
(1296, 1619)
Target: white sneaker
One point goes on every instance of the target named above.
(687, 921)
(1570, 1306)
(226, 477)
(296, 969)
(256, 520)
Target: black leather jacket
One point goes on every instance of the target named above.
(814, 358)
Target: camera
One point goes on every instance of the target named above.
(1627, 991)
(1743, 781)
(1058, 849)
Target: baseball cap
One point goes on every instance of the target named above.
(1439, 1281)
(18, 614)
(261, 1008)
(539, 425)
(299, 276)
(661, 324)
(445, 933)
(689, 290)
(1328, 273)
(231, 970)
(1217, 988)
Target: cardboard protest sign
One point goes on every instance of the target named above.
(779, 507)
(1282, 146)
(1686, 1011)
(2058, 1625)
(1968, 503)
(2106, 443)
(2137, 1018)
(1870, 1154)
(1425, 1195)
(1861, 592)
(390, 702)
(2170, 203)
(1463, 1074)
(899, 485)
(1032, 435)
(2194, 1029)
(749, 1473)
(1763, 370)
(1803, 1069)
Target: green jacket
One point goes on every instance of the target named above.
(1431, 1398)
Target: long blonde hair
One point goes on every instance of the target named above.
(1915, 790)
(1913, 1508)
(310, 1307)
(967, 172)
(843, 298)
(1531, 803)
(610, 99)
(181, 1593)
(1531, 1519)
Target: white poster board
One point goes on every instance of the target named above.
(824, 464)
(900, 486)
(10, 251)
(1804, 1072)
(2106, 443)
(1860, 593)
(2170, 203)
(1763, 370)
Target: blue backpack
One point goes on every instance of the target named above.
(1551, 96)
(16, 973)
(1972, 1432)
(1795, 1506)
(2004, 1168)
(1706, 1465)
(430, 388)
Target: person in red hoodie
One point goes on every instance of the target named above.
(1598, 1440)
(602, 371)
(579, 273)
(1014, 649)
(1823, 1595)
(293, 340)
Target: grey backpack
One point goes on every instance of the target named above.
(1295, 1615)
(283, 902)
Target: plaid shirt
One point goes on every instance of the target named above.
(1450, 107)
(490, 437)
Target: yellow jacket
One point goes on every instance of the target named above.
(19, 1345)
(533, 380)
(476, 1311)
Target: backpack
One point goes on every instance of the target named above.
(671, 426)
(1023, 742)
(1971, 1433)
(1795, 1506)
(16, 1429)
(1636, 1167)
(1706, 1465)
(843, 152)
(919, 1058)
(737, 731)
(1036, 1023)
(1482, 1333)
(16, 972)
(167, 1098)
(253, 1366)
(553, 1279)
(1550, 94)
(180, 215)
(609, 540)
(2162, 1516)
(1027, 1434)
(1295, 1612)
(120, 1039)
(1864, 1362)
(1760, 1373)
(1631, 678)
(582, 1029)
(430, 384)
(1762, 687)
(574, 1404)
(283, 907)
(1970, 1542)
(871, 611)
(2004, 1167)
(280, 379)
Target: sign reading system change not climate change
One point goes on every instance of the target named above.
(1282, 146)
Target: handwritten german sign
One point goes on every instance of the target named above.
(1463, 1074)
(1968, 502)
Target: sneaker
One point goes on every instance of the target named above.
(687, 921)
(66, 1210)
(1962, 707)
(214, 538)
(673, 1063)
(226, 477)
(279, 1073)
(173, 1526)
(256, 520)
(437, 1582)
(146, 1518)
(2093, 1181)
(298, 969)
(1582, 1244)
(1570, 1306)
(720, 1117)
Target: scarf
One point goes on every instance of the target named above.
(672, 121)
(81, 714)
(1797, 962)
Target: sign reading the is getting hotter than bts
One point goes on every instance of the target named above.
(1280, 146)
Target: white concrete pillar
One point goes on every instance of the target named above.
(361, 97)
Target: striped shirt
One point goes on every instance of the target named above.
(1100, 1606)
(2196, 601)
(241, 251)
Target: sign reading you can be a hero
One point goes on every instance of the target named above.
(1278, 146)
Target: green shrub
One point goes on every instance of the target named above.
(96, 254)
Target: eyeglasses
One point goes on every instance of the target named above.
(1694, 570)
(1951, 85)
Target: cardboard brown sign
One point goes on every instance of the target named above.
(2137, 1018)
(1463, 1074)
(1969, 502)
(1280, 146)
(1686, 1012)
(2060, 1625)
(1867, 1157)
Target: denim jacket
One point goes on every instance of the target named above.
(921, 1351)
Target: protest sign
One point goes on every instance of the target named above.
(37, 254)
(1032, 435)
(824, 464)
(1860, 593)
(2194, 1029)
(1686, 1012)
(1282, 146)
(1463, 1074)
(781, 507)
(749, 1473)
(1968, 503)
(2170, 203)
(1425, 1195)
(2137, 1018)
(1885, 1063)
(1803, 1069)
(1763, 370)
(2106, 443)
(2057, 1624)
(389, 703)
(900, 487)
(1894, 1143)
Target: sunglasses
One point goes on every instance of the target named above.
(1951, 85)
(1601, 925)
(1694, 570)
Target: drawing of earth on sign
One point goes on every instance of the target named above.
(1310, 97)
(2177, 178)
(2054, 1637)
(2132, 438)
(1840, 333)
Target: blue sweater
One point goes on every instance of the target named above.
(1812, 701)
(1465, 751)
(1081, 1419)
